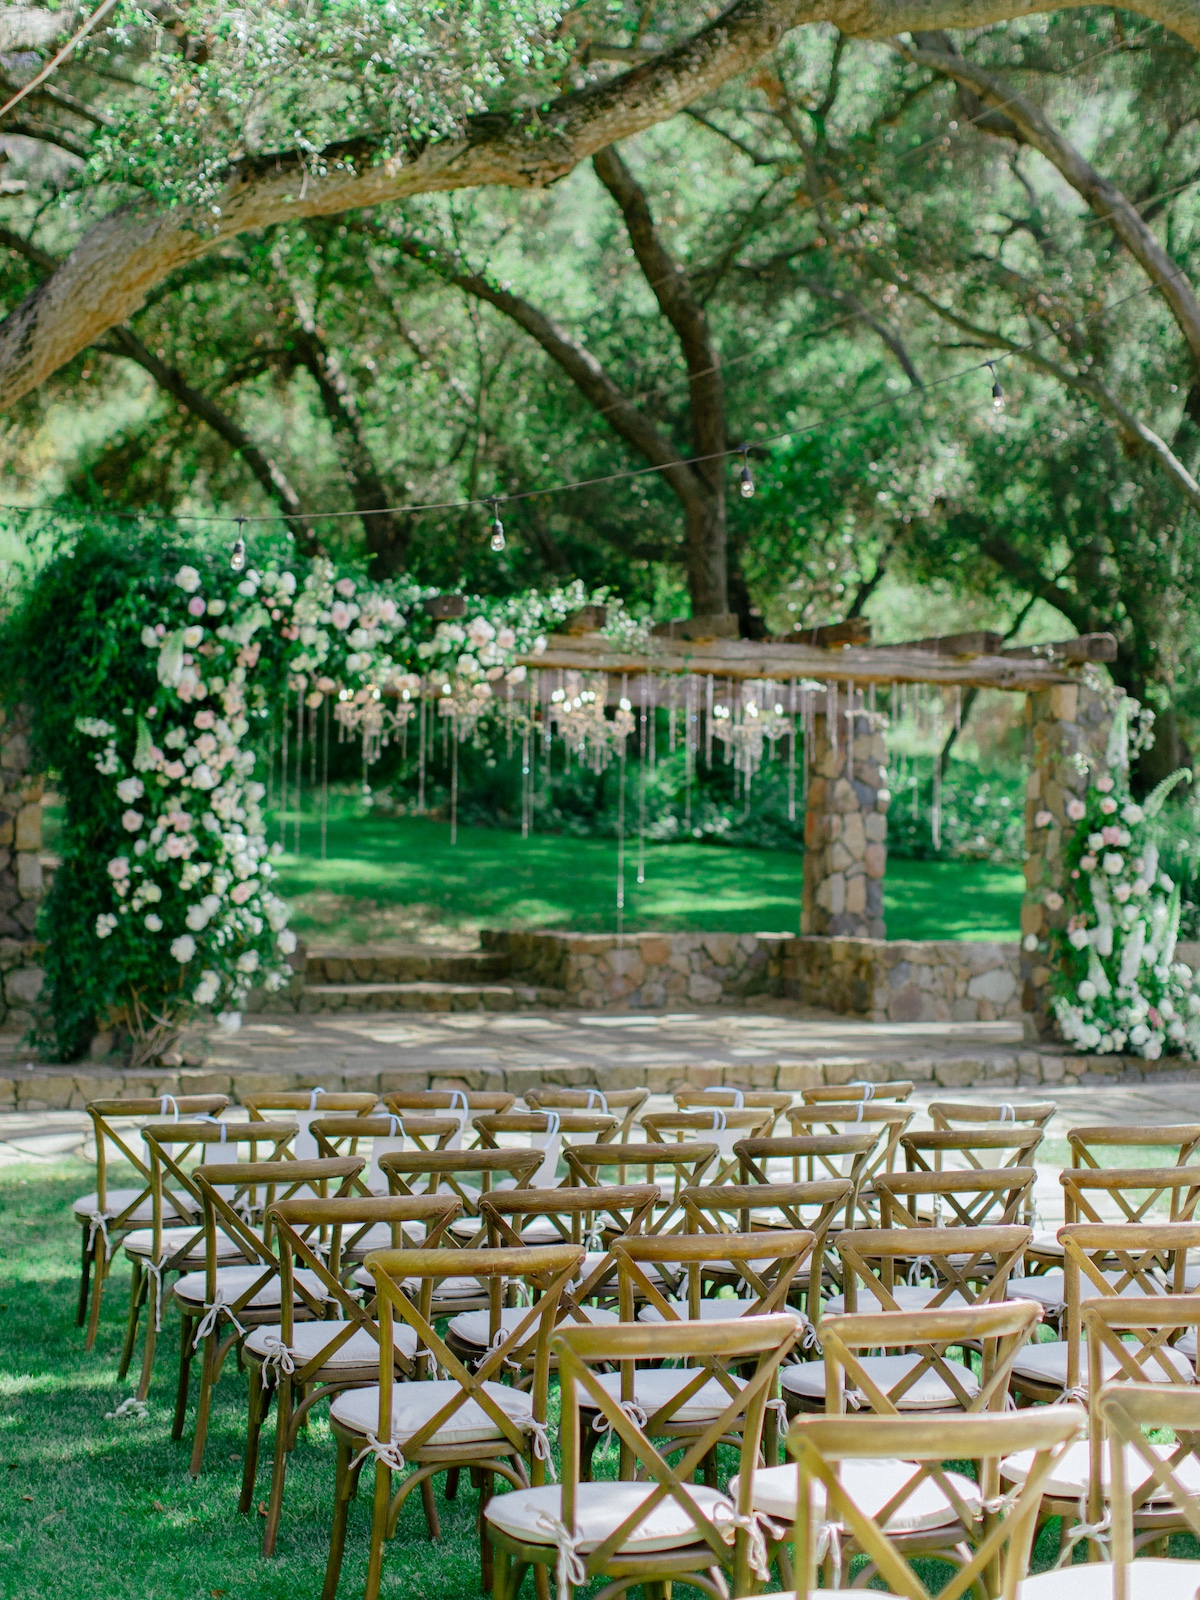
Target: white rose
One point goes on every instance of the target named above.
(202, 777)
(192, 637)
(130, 789)
(286, 941)
(154, 922)
(183, 948)
(1078, 939)
(1132, 814)
(1139, 1033)
(248, 961)
(1086, 991)
(118, 868)
(1030, 941)
(105, 923)
(1113, 863)
(131, 821)
(188, 579)
(207, 989)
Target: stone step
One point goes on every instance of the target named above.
(426, 996)
(414, 964)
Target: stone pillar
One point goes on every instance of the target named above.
(1068, 728)
(845, 828)
(20, 871)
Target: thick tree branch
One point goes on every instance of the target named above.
(1103, 196)
(123, 256)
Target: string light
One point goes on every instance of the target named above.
(747, 480)
(497, 540)
(997, 391)
(237, 556)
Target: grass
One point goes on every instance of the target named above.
(100, 1509)
(393, 876)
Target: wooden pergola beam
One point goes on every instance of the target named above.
(748, 658)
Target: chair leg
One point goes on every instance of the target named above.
(136, 1287)
(379, 1517)
(283, 1444)
(343, 1493)
(85, 1278)
(430, 1506)
(153, 1312)
(208, 1378)
(451, 1486)
(99, 1273)
(256, 1407)
(486, 1570)
(185, 1375)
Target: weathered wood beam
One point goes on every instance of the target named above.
(981, 642)
(1087, 647)
(831, 635)
(747, 658)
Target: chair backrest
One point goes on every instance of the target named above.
(973, 1264)
(776, 1100)
(547, 1131)
(711, 1348)
(1140, 1471)
(114, 1122)
(961, 1113)
(345, 1221)
(999, 1330)
(461, 1103)
(225, 1191)
(305, 1106)
(626, 1101)
(888, 1120)
(1088, 1143)
(827, 1504)
(959, 1149)
(812, 1157)
(339, 1136)
(448, 1172)
(547, 1270)
(976, 1198)
(765, 1264)
(1134, 1191)
(685, 1164)
(719, 1125)
(727, 1208)
(593, 1218)
(216, 1142)
(845, 1093)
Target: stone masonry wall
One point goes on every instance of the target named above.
(905, 980)
(845, 827)
(21, 882)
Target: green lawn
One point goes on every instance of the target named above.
(385, 874)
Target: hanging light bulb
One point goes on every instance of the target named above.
(497, 539)
(747, 479)
(997, 391)
(237, 556)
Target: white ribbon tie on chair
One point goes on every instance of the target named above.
(602, 1424)
(164, 1102)
(829, 1545)
(276, 1354)
(868, 1089)
(550, 1143)
(212, 1316)
(725, 1135)
(461, 1109)
(596, 1097)
(383, 1145)
(154, 1272)
(541, 1445)
(570, 1570)
(390, 1454)
(98, 1224)
(1098, 1533)
(727, 1521)
(305, 1145)
(1007, 1113)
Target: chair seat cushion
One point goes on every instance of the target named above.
(1148, 1580)
(1071, 1475)
(378, 1237)
(929, 1393)
(1045, 1242)
(308, 1338)
(140, 1243)
(117, 1199)
(1049, 1289)
(447, 1289)
(192, 1291)
(714, 1310)
(414, 1403)
(655, 1386)
(908, 1297)
(599, 1508)
(1047, 1363)
(870, 1484)
(472, 1327)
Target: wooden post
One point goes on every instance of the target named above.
(845, 828)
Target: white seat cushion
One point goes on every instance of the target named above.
(599, 1508)
(908, 1297)
(141, 1243)
(1047, 1363)
(379, 1237)
(117, 1199)
(1049, 1289)
(1045, 1242)
(472, 1327)
(447, 1289)
(715, 1310)
(929, 1393)
(308, 1338)
(1148, 1580)
(1071, 1476)
(870, 1484)
(655, 1386)
(192, 1290)
(414, 1403)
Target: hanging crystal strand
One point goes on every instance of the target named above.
(793, 715)
(453, 721)
(621, 841)
(535, 706)
(642, 753)
(831, 715)
(671, 716)
(299, 757)
(654, 692)
(283, 773)
(687, 754)
(325, 779)
(936, 817)
(421, 750)
(708, 720)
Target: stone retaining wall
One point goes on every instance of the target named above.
(21, 875)
(905, 980)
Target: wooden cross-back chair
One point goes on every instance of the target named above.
(218, 1305)
(887, 1120)
(304, 1106)
(967, 1266)
(976, 1198)
(728, 1098)
(461, 1103)
(468, 1418)
(308, 1362)
(1087, 1143)
(958, 1149)
(947, 1114)
(584, 1530)
(860, 1089)
(729, 1208)
(1129, 1413)
(715, 1125)
(812, 1158)
(836, 1504)
(165, 1248)
(341, 1136)
(109, 1213)
(548, 1132)
(572, 1214)
(1103, 1262)
(628, 1102)
(685, 1164)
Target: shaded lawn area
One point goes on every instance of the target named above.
(97, 1508)
(494, 877)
